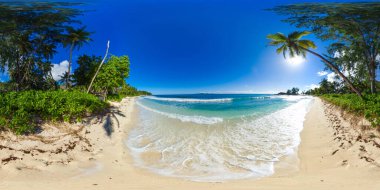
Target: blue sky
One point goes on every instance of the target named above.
(192, 46)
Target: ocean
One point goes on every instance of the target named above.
(217, 137)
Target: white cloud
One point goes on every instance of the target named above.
(322, 73)
(59, 69)
(331, 77)
(312, 86)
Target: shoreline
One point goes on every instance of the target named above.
(111, 166)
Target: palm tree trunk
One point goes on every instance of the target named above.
(373, 77)
(69, 68)
(336, 70)
(97, 71)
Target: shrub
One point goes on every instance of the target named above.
(21, 111)
(126, 91)
(369, 106)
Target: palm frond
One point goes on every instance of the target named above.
(303, 53)
(277, 37)
(307, 44)
(275, 43)
(285, 51)
(297, 35)
(291, 52)
(280, 49)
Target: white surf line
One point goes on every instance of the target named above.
(185, 118)
(189, 99)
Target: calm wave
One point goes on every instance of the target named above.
(213, 137)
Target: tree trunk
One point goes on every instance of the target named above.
(97, 71)
(69, 68)
(336, 70)
(373, 77)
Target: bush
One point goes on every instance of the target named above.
(126, 91)
(20, 111)
(369, 106)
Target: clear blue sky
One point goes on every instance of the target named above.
(192, 46)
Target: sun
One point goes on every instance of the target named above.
(296, 60)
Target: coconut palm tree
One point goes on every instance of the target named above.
(294, 46)
(75, 38)
(64, 77)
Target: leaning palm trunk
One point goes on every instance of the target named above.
(97, 71)
(336, 70)
(69, 68)
(373, 77)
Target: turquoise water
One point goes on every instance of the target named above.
(216, 106)
(216, 137)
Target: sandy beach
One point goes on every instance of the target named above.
(333, 154)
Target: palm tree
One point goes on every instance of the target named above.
(295, 46)
(75, 38)
(64, 78)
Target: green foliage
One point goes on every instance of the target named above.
(110, 80)
(353, 29)
(295, 46)
(291, 43)
(75, 38)
(21, 111)
(86, 69)
(112, 75)
(293, 91)
(369, 106)
(126, 91)
(30, 33)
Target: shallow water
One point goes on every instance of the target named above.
(208, 137)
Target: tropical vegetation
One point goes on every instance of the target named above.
(293, 91)
(75, 38)
(369, 106)
(23, 111)
(31, 33)
(293, 45)
(352, 31)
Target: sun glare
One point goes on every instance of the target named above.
(296, 60)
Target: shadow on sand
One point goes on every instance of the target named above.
(110, 119)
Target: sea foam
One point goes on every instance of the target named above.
(190, 100)
(228, 150)
(185, 118)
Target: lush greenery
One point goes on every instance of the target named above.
(30, 35)
(75, 38)
(126, 91)
(293, 91)
(369, 106)
(112, 75)
(353, 31)
(110, 82)
(22, 111)
(295, 46)
(87, 66)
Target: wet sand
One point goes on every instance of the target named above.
(333, 154)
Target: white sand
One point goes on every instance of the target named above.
(108, 165)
